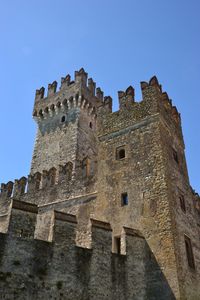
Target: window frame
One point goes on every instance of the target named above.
(182, 202)
(117, 153)
(117, 244)
(124, 199)
(189, 252)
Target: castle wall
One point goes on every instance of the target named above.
(185, 223)
(152, 174)
(34, 269)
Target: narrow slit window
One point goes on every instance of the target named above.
(182, 203)
(189, 252)
(117, 245)
(124, 199)
(175, 156)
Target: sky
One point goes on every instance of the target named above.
(119, 43)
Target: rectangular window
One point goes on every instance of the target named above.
(124, 199)
(120, 153)
(182, 203)
(117, 245)
(189, 252)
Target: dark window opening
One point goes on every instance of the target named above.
(175, 156)
(182, 203)
(120, 153)
(189, 252)
(117, 245)
(90, 125)
(86, 167)
(124, 199)
(63, 119)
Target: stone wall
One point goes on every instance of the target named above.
(184, 222)
(76, 170)
(34, 269)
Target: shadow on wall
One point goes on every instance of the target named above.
(157, 286)
(34, 269)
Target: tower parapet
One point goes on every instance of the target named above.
(77, 93)
(127, 98)
(154, 101)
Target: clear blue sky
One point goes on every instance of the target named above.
(117, 42)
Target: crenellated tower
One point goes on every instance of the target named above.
(66, 122)
(127, 171)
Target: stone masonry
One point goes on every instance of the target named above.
(107, 211)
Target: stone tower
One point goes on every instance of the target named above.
(66, 122)
(126, 168)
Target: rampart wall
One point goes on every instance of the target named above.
(34, 269)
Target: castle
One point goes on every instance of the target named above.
(107, 211)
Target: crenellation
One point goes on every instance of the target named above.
(127, 98)
(52, 88)
(37, 181)
(130, 92)
(108, 103)
(65, 82)
(34, 182)
(99, 93)
(105, 108)
(39, 94)
(107, 210)
(19, 187)
(6, 189)
(169, 107)
(175, 114)
(91, 86)
(144, 85)
(81, 77)
(154, 81)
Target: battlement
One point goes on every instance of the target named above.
(37, 181)
(101, 183)
(154, 101)
(65, 268)
(196, 198)
(23, 213)
(81, 92)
